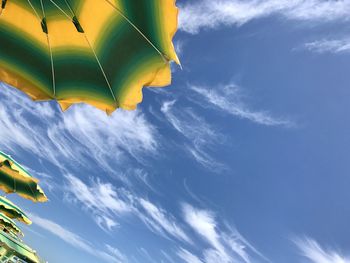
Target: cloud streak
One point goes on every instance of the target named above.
(100, 199)
(199, 134)
(159, 220)
(82, 136)
(187, 256)
(311, 250)
(226, 244)
(206, 14)
(110, 255)
(227, 98)
(107, 204)
(334, 46)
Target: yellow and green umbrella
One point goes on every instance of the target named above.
(15, 179)
(100, 52)
(12, 211)
(9, 225)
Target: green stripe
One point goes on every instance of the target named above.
(145, 15)
(26, 55)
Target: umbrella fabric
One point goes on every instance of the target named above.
(15, 179)
(8, 224)
(100, 52)
(12, 211)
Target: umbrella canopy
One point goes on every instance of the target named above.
(9, 225)
(12, 211)
(100, 52)
(15, 179)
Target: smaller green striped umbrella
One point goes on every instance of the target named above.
(12, 211)
(15, 179)
(18, 248)
(9, 225)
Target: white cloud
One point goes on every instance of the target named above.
(329, 46)
(105, 222)
(76, 240)
(203, 158)
(168, 258)
(82, 136)
(141, 176)
(225, 243)
(116, 253)
(187, 256)
(204, 14)
(228, 99)
(101, 196)
(158, 219)
(106, 204)
(102, 200)
(179, 46)
(316, 254)
(188, 123)
(201, 136)
(203, 222)
(146, 256)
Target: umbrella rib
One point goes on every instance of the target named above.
(138, 30)
(69, 7)
(95, 55)
(61, 9)
(14, 184)
(36, 13)
(52, 65)
(101, 68)
(36, 198)
(48, 42)
(50, 50)
(92, 49)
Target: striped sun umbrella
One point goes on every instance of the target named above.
(15, 179)
(8, 225)
(100, 52)
(12, 211)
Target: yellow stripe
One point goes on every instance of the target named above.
(94, 17)
(170, 20)
(27, 23)
(149, 74)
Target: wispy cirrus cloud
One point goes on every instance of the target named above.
(107, 204)
(110, 254)
(102, 200)
(334, 46)
(315, 253)
(187, 256)
(167, 257)
(206, 14)
(200, 135)
(115, 252)
(82, 136)
(160, 220)
(225, 243)
(228, 98)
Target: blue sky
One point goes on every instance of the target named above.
(244, 158)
